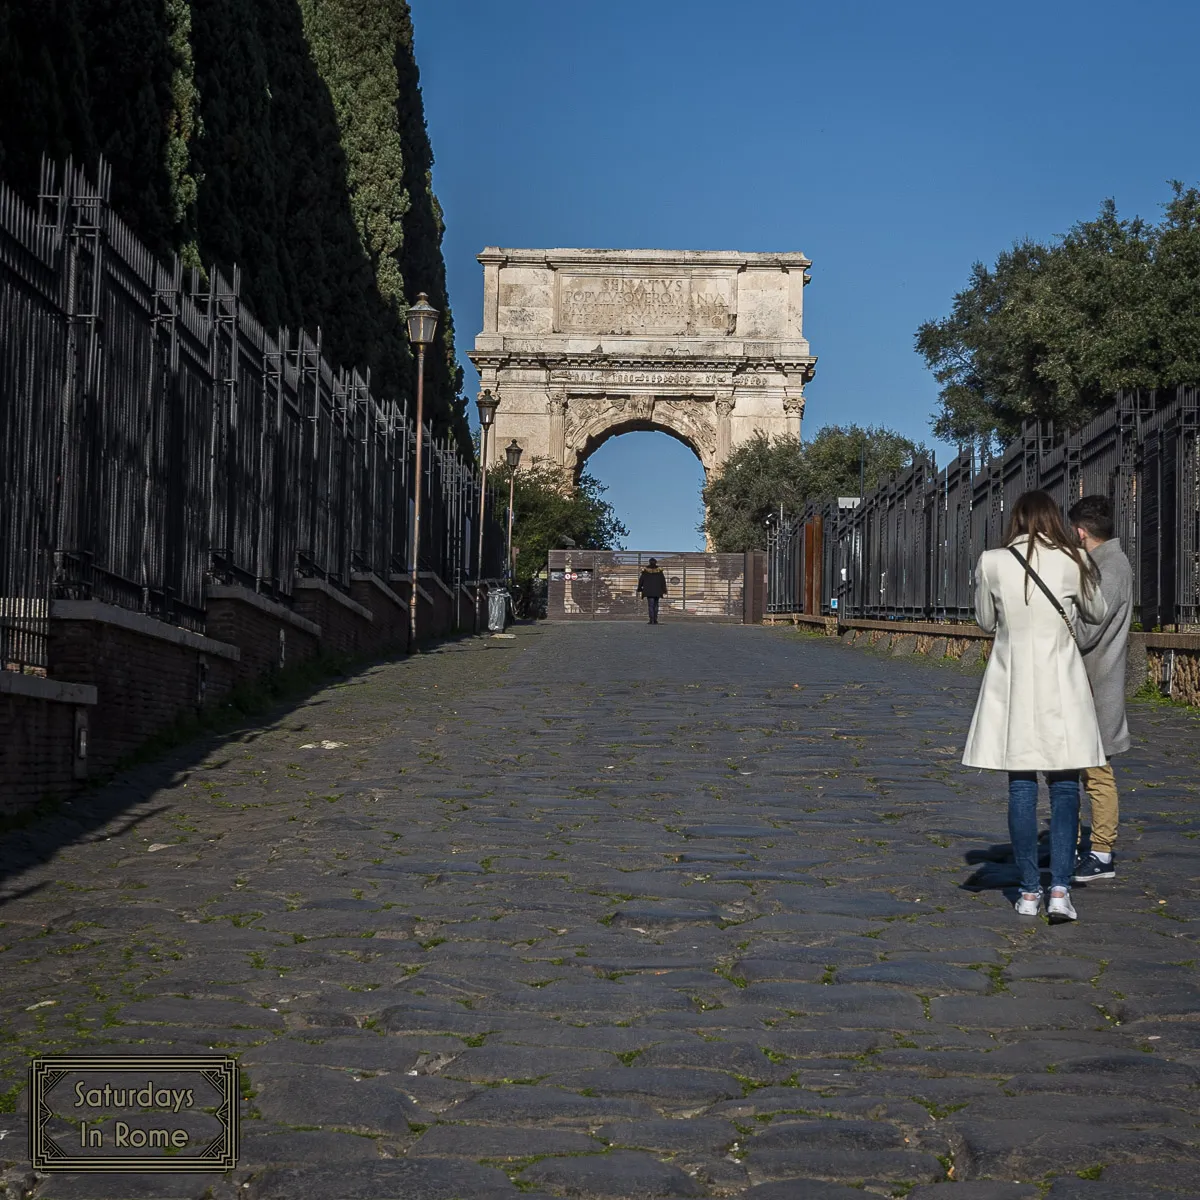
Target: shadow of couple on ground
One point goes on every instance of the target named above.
(995, 869)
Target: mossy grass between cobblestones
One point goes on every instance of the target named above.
(250, 699)
(610, 838)
(245, 702)
(1152, 694)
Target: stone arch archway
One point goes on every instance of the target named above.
(589, 422)
(580, 345)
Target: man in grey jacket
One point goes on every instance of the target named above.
(1104, 649)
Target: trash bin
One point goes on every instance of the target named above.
(498, 605)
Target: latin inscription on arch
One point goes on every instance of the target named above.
(650, 304)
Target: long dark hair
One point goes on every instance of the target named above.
(1036, 516)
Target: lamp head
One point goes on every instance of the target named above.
(422, 321)
(487, 404)
(512, 452)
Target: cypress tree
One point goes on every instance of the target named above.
(364, 52)
(421, 261)
(286, 136)
(44, 98)
(85, 78)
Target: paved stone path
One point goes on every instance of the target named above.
(611, 911)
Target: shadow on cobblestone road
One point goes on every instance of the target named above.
(28, 840)
(611, 911)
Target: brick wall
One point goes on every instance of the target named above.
(145, 682)
(464, 608)
(346, 625)
(436, 607)
(436, 613)
(268, 635)
(37, 752)
(389, 630)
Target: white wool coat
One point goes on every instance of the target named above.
(1035, 709)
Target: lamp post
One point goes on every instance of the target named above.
(487, 404)
(422, 321)
(512, 452)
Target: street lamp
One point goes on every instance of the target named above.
(422, 321)
(487, 405)
(512, 452)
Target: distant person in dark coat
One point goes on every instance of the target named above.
(652, 584)
(1104, 652)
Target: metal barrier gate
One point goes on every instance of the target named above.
(602, 585)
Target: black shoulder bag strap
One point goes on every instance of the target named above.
(1062, 612)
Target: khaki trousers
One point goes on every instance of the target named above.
(1101, 787)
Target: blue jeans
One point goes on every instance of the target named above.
(1023, 827)
(652, 601)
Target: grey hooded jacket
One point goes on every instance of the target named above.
(1105, 645)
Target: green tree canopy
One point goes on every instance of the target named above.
(1054, 331)
(548, 510)
(763, 473)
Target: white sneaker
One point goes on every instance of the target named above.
(1060, 909)
(1028, 904)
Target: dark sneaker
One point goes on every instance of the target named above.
(1090, 867)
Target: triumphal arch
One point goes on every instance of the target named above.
(581, 345)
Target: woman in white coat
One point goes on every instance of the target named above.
(1035, 710)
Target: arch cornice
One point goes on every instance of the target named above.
(590, 361)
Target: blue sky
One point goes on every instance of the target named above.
(894, 144)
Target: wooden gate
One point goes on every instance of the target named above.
(813, 559)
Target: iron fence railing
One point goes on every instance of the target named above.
(909, 549)
(31, 430)
(155, 437)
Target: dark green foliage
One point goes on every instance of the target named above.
(284, 136)
(86, 78)
(763, 473)
(273, 196)
(364, 52)
(422, 266)
(43, 87)
(181, 129)
(548, 509)
(1054, 331)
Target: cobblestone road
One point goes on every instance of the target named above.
(612, 911)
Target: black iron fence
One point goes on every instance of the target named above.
(909, 550)
(154, 437)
